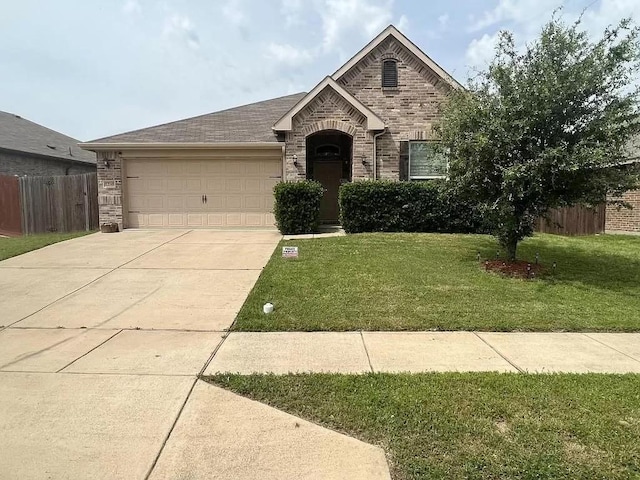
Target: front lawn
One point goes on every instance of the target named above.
(470, 425)
(13, 246)
(434, 281)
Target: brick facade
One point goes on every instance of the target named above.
(624, 219)
(328, 111)
(23, 164)
(110, 194)
(408, 110)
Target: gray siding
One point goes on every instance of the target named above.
(22, 164)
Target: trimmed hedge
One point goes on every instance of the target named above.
(387, 206)
(297, 206)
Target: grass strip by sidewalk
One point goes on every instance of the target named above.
(472, 425)
(13, 246)
(435, 282)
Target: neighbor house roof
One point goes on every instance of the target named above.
(246, 124)
(21, 135)
(373, 121)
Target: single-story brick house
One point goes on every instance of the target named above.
(371, 119)
(29, 149)
(624, 219)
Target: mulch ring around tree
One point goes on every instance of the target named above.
(517, 269)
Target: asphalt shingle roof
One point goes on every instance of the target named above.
(22, 135)
(248, 123)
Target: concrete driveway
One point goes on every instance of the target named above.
(102, 338)
(101, 341)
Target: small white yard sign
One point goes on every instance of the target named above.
(289, 252)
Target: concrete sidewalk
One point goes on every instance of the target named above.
(362, 352)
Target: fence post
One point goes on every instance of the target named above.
(86, 201)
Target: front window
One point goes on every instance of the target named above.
(426, 161)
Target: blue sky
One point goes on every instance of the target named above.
(92, 68)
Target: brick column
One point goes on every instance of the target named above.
(110, 188)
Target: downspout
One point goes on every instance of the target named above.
(375, 152)
(284, 164)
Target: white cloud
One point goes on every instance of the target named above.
(288, 54)
(525, 19)
(132, 7)
(234, 12)
(339, 17)
(181, 28)
(403, 24)
(291, 11)
(443, 21)
(481, 50)
(518, 11)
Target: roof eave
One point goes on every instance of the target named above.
(79, 161)
(110, 146)
(285, 123)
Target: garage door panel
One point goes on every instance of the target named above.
(233, 185)
(194, 202)
(175, 185)
(194, 185)
(233, 202)
(176, 203)
(252, 185)
(169, 192)
(193, 167)
(236, 168)
(155, 220)
(215, 220)
(175, 220)
(216, 202)
(175, 169)
(215, 185)
(196, 219)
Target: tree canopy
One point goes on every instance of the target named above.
(545, 126)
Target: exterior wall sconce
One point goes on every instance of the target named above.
(295, 160)
(106, 163)
(364, 161)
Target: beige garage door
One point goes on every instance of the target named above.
(201, 193)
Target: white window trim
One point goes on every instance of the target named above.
(423, 177)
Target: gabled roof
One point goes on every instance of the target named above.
(408, 44)
(21, 135)
(246, 124)
(373, 121)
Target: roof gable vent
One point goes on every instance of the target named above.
(389, 74)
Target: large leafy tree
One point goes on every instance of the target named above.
(545, 126)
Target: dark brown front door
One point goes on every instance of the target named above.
(328, 173)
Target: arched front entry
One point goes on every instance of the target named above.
(329, 157)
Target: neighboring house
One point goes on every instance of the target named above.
(624, 219)
(27, 148)
(371, 119)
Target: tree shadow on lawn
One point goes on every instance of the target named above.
(577, 263)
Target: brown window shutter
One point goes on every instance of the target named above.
(404, 161)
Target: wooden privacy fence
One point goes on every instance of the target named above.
(10, 223)
(52, 204)
(576, 220)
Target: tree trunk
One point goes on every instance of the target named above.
(511, 246)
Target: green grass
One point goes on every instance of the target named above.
(432, 281)
(13, 246)
(472, 426)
